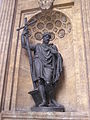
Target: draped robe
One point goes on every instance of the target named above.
(47, 63)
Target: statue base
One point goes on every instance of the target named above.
(48, 109)
(38, 100)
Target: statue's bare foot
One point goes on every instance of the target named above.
(43, 104)
(51, 104)
(55, 104)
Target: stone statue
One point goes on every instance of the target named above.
(46, 67)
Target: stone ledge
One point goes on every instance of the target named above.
(44, 116)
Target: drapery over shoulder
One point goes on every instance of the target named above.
(58, 67)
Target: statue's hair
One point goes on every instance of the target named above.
(47, 34)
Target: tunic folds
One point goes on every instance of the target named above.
(47, 63)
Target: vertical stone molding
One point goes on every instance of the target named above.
(10, 82)
(80, 62)
(6, 21)
(85, 11)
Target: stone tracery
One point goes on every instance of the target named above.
(57, 23)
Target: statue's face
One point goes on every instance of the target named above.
(46, 39)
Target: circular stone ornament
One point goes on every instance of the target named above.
(38, 36)
(61, 33)
(40, 26)
(52, 36)
(49, 26)
(58, 23)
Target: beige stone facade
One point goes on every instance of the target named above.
(15, 80)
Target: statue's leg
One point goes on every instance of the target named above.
(50, 92)
(51, 95)
(42, 92)
(52, 101)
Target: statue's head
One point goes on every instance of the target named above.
(46, 38)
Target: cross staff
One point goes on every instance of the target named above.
(28, 47)
(32, 22)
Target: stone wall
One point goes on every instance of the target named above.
(15, 80)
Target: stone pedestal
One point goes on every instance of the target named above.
(44, 116)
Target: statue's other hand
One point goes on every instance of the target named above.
(53, 48)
